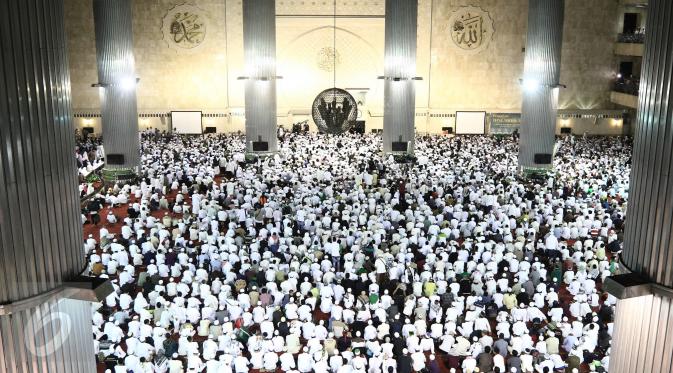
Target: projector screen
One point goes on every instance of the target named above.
(187, 122)
(470, 122)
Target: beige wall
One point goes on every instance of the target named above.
(170, 79)
(592, 126)
(301, 60)
(588, 61)
(602, 126)
(206, 78)
(490, 80)
(632, 6)
(81, 45)
(179, 79)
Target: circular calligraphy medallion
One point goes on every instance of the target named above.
(328, 58)
(471, 29)
(184, 27)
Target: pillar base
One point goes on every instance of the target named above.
(118, 175)
(539, 172)
(402, 157)
(251, 157)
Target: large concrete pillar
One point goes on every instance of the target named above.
(40, 227)
(643, 334)
(259, 43)
(117, 80)
(542, 69)
(400, 70)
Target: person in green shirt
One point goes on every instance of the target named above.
(614, 266)
(595, 365)
(600, 252)
(429, 288)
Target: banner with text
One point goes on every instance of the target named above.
(504, 123)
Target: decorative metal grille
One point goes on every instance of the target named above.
(334, 111)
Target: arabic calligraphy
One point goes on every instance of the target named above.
(187, 28)
(328, 58)
(468, 31)
(334, 111)
(471, 29)
(184, 27)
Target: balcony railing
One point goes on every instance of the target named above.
(636, 38)
(628, 86)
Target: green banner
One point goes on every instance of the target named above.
(504, 123)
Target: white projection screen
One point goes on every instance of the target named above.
(470, 122)
(187, 122)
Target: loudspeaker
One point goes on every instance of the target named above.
(400, 146)
(566, 130)
(628, 285)
(114, 159)
(542, 158)
(210, 130)
(90, 289)
(359, 127)
(260, 146)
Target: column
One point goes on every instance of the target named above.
(117, 81)
(542, 68)
(643, 334)
(40, 225)
(400, 71)
(259, 43)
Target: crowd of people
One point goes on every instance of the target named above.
(331, 257)
(635, 36)
(89, 158)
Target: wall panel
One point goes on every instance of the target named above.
(40, 227)
(205, 78)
